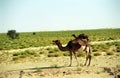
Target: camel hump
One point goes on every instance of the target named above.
(69, 44)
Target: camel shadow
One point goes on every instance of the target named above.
(36, 68)
(49, 67)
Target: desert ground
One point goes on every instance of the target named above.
(102, 66)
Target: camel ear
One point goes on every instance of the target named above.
(56, 41)
(53, 41)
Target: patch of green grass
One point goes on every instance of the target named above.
(79, 68)
(54, 66)
(16, 54)
(118, 67)
(97, 72)
(15, 58)
(5, 56)
(57, 54)
(24, 54)
(81, 54)
(66, 54)
(38, 69)
(118, 49)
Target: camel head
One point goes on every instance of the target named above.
(56, 42)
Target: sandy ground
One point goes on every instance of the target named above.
(57, 67)
(103, 66)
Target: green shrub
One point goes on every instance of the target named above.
(51, 51)
(109, 53)
(23, 56)
(41, 52)
(66, 54)
(38, 69)
(79, 68)
(15, 58)
(94, 50)
(57, 54)
(55, 49)
(80, 54)
(12, 34)
(16, 54)
(97, 54)
(54, 66)
(118, 49)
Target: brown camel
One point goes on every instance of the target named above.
(81, 36)
(73, 47)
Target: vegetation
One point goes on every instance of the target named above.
(97, 54)
(12, 34)
(45, 39)
(38, 69)
(54, 66)
(79, 68)
(27, 39)
(109, 53)
(24, 54)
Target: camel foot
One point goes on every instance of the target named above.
(85, 64)
(88, 65)
(69, 65)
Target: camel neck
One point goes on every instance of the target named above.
(61, 47)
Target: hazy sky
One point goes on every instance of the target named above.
(47, 15)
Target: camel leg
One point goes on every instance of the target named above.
(89, 60)
(86, 60)
(70, 58)
(76, 58)
(89, 56)
(85, 48)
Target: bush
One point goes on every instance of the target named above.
(80, 54)
(15, 58)
(79, 68)
(110, 53)
(54, 54)
(25, 53)
(16, 54)
(38, 69)
(66, 54)
(54, 66)
(34, 33)
(97, 54)
(12, 34)
(94, 50)
(118, 49)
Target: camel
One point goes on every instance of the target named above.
(73, 47)
(81, 36)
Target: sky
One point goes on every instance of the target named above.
(54, 15)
